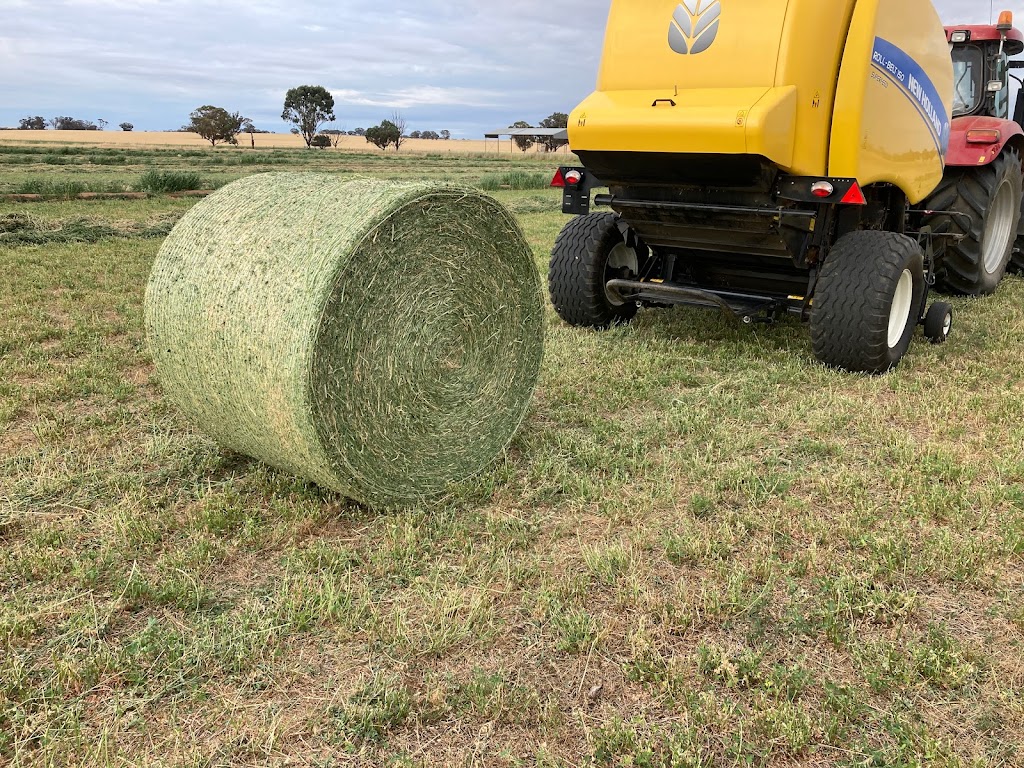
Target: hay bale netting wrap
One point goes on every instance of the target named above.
(381, 339)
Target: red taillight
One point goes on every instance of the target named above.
(855, 196)
(572, 178)
(984, 136)
(559, 180)
(822, 189)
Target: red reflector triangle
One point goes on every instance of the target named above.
(854, 197)
(559, 180)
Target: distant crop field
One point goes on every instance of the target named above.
(703, 549)
(141, 139)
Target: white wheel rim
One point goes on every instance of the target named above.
(998, 228)
(947, 325)
(620, 256)
(899, 315)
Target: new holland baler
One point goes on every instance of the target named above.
(763, 156)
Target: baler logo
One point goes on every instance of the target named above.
(694, 26)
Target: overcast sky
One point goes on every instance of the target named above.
(463, 65)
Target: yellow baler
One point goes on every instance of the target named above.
(762, 155)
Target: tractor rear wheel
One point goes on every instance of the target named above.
(588, 253)
(984, 205)
(868, 301)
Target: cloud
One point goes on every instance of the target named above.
(168, 57)
(475, 64)
(414, 97)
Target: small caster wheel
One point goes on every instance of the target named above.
(938, 322)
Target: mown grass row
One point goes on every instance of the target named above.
(69, 171)
(151, 181)
(157, 181)
(20, 229)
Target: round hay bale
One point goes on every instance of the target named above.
(381, 339)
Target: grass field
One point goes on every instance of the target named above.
(703, 549)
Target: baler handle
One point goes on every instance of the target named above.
(659, 101)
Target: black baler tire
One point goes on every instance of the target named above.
(854, 296)
(970, 192)
(935, 329)
(577, 277)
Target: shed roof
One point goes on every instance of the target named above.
(558, 133)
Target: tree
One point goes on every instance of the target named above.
(430, 135)
(215, 124)
(36, 123)
(335, 135)
(446, 135)
(103, 124)
(415, 135)
(555, 120)
(320, 141)
(72, 124)
(308, 107)
(384, 135)
(248, 127)
(126, 127)
(523, 142)
(399, 122)
(358, 132)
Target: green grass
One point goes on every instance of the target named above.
(169, 181)
(67, 189)
(516, 180)
(703, 549)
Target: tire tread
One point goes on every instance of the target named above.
(576, 272)
(850, 314)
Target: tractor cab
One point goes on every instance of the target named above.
(981, 64)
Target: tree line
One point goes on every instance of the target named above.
(307, 107)
(63, 123)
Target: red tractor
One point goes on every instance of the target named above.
(979, 199)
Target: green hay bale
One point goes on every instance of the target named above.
(380, 339)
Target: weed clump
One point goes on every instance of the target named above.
(169, 181)
(515, 180)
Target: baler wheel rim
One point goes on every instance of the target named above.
(899, 313)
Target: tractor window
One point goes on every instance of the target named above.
(1001, 107)
(968, 68)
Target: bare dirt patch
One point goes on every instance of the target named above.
(19, 438)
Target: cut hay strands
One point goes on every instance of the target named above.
(381, 339)
(32, 197)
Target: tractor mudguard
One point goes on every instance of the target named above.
(971, 143)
